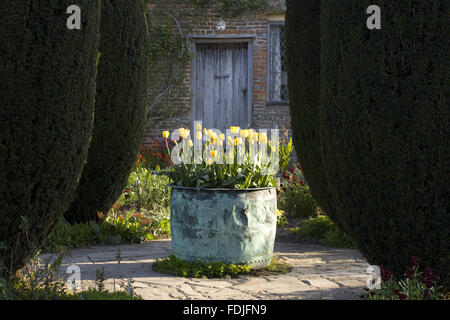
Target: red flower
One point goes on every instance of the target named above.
(292, 170)
(413, 262)
(302, 183)
(429, 277)
(409, 273)
(386, 274)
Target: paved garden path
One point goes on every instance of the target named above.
(318, 273)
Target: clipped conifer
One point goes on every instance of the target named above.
(385, 128)
(303, 57)
(47, 91)
(120, 112)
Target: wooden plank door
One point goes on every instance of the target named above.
(220, 94)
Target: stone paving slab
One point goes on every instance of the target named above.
(318, 273)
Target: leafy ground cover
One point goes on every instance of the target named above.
(198, 269)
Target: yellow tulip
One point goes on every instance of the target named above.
(263, 138)
(199, 127)
(255, 136)
(181, 131)
(165, 134)
(209, 133)
(273, 149)
(244, 133)
(237, 141)
(234, 130)
(190, 143)
(204, 131)
(198, 136)
(221, 137)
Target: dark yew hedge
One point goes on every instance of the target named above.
(303, 52)
(47, 90)
(120, 113)
(385, 129)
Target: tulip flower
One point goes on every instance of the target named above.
(263, 138)
(244, 133)
(234, 130)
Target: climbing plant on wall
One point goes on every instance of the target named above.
(234, 8)
(170, 21)
(169, 55)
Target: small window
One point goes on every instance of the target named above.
(277, 72)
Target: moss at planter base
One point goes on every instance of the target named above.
(198, 269)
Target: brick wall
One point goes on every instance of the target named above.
(202, 21)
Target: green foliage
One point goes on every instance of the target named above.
(220, 176)
(385, 126)
(113, 230)
(102, 294)
(120, 112)
(125, 229)
(38, 280)
(64, 235)
(416, 284)
(47, 101)
(148, 197)
(233, 8)
(294, 196)
(146, 190)
(276, 266)
(281, 218)
(284, 155)
(35, 281)
(322, 228)
(164, 228)
(198, 269)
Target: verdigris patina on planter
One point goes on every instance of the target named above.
(224, 225)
